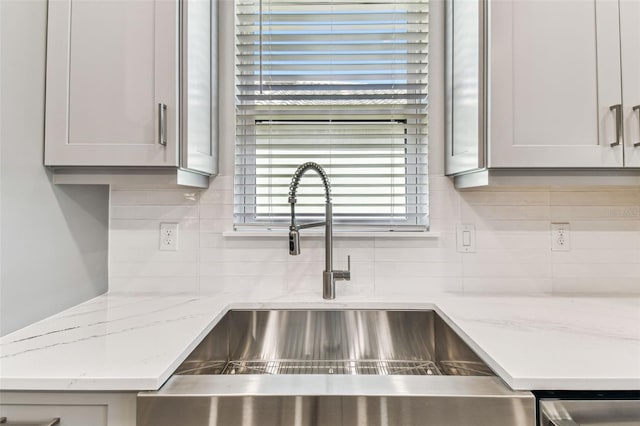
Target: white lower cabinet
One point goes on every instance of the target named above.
(72, 408)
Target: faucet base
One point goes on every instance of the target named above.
(329, 282)
(328, 285)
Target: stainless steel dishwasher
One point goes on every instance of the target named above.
(590, 408)
(334, 367)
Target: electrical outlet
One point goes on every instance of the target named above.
(560, 237)
(169, 236)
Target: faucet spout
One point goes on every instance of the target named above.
(295, 180)
(329, 276)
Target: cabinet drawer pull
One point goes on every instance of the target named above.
(52, 422)
(637, 108)
(617, 110)
(162, 120)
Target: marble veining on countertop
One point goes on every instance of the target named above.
(132, 342)
(555, 343)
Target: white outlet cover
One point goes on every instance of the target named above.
(168, 236)
(560, 236)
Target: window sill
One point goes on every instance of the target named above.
(308, 233)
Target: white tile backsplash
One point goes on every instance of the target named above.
(513, 246)
(507, 285)
(154, 284)
(154, 198)
(163, 212)
(596, 198)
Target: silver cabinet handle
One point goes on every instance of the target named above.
(52, 422)
(162, 129)
(617, 110)
(637, 108)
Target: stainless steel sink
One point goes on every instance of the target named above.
(334, 367)
(334, 342)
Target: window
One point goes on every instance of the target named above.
(341, 83)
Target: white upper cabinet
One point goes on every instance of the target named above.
(131, 84)
(555, 73)
(554, 88)
(199, 97)
(630, 43)
(110, 64)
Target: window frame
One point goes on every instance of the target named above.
(364, 224)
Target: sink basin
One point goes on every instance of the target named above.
(334, 342)
(334, 368)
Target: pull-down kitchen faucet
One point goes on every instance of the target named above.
(329, 276)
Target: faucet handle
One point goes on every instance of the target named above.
(346, 275)
(343, 275)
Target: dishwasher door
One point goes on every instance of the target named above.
(589, 412)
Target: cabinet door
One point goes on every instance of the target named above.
(554, 74)
(72, 408)
(630, 43)
(109, 66)
(465, 74)
(199, 85)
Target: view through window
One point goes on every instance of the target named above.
(343, 84)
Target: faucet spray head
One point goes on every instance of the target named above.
(294, 242)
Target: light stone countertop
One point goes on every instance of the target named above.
(134, 342)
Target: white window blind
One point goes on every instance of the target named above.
(341, 83)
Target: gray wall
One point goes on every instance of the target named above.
(54, 239)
